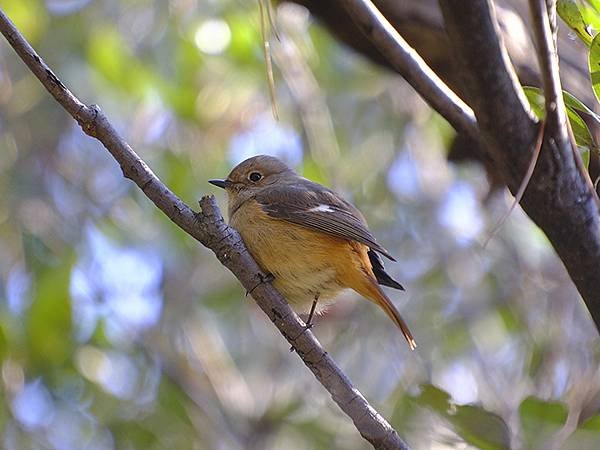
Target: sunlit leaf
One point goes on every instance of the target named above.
(594, 66)
(570, 12)
(590, 16)
(595, 4)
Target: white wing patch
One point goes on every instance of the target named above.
(322, 208)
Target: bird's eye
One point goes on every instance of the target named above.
(254, 177)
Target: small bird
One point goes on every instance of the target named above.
(311, 241)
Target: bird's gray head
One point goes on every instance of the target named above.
(252, 175)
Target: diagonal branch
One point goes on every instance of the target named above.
(210, 229)
(411, 66)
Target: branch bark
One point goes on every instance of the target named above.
(560, 198)
(411, 66)
(209, 228)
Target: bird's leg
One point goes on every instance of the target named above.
(267, 278)
(308, 324)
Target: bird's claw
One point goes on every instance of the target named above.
(266, 278)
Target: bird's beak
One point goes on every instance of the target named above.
(220, 183)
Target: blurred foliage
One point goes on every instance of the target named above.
(119, 331)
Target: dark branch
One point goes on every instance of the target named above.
(545, 34)
(559, 199)
(210, 229)
(491, 85)
(411, 66)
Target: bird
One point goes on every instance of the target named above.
(311, 242)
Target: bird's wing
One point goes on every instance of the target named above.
(314, 206)
(381, 275)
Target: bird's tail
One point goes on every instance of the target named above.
(373, 292)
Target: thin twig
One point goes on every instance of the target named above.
(210, 229)
(544, 33)
(411, 66)
(534, 159)
(266, 24)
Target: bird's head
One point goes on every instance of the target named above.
(252, 175)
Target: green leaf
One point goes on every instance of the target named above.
(49, 319)
(580, 129)
(434, 398)
(570, 12)
(536, 100)
(594, 66)
(478, 427)
(595, 4)
(581, 132)
(590, 16)
(575, 104)
(540, 419)
(481, 428)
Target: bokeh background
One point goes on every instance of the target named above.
(118, 331)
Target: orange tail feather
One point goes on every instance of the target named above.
(373, 292)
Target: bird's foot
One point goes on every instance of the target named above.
(266, 278)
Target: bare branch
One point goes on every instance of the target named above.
(411, 66)
(559, 198)
(210, 229)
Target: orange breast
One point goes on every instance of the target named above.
(304, 262)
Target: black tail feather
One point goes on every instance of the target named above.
(382, 277)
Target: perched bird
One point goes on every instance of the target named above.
(313, 242)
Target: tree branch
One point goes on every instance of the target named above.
(403, 58)
(560, 198)
(210, 229)
(545, 34)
